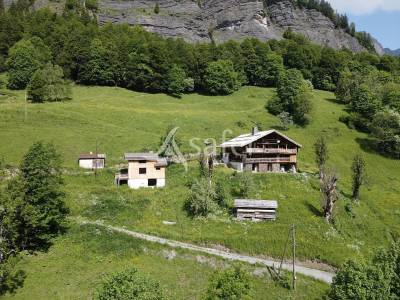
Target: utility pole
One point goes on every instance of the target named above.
(96, 161)
(25, 107)
(294, 256)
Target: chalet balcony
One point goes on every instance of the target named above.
(270, 151)
(270, 160)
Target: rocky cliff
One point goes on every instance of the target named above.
(222, 20)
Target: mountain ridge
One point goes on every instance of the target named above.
(221, 20)
(392, 52)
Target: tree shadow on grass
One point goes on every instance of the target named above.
(367, 145)
(334, 100)
(315, 211)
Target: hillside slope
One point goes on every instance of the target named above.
(123, 121)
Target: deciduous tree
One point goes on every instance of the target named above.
(24, 59)
(202, 199)
(129, 285)
(329, 193)
(321, 154)
(48, 85)
(358, 175)
(221, 78)
(233, 283)
(293, 96)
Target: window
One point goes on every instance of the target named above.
(152, 182)
(142, 161)
(142, 170)
(158, 168)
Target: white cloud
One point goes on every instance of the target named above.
(361, 7)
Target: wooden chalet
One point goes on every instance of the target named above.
(261, 151)
(256, 210)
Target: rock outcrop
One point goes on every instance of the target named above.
(222, 20)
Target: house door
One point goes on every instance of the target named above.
(269, 168)
(255, 168)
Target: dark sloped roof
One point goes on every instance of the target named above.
(91, 156)
(160, 161)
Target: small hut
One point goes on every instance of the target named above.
(92, 160)
(256, 210)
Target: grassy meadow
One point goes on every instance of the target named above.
(77, 263)
(123, 121)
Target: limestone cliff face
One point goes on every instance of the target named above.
(222, 20)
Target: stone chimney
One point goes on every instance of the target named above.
(254, 130)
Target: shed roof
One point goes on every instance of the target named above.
(250, 203)
(160, 161)
(248, 138)
(91, 156)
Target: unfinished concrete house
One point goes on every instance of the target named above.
(144, 170)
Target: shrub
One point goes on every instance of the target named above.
(92, 5)
(48, 85)
(221, 78)
(378, 279)
(244, 185)
(129, 285)
(223, 195)
(231, 284)
(178, 82)
(11, 278)
(202, 199)
(386, 130)
(157, 9)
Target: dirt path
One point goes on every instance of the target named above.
(314, 273)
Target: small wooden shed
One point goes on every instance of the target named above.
(92, 161)
(256, 210)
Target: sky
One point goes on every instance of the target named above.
(381, 18)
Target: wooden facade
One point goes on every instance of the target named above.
(256, 210)
(92, 161)
(266, 151)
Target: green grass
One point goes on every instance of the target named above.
(73, 269)
(124, 121)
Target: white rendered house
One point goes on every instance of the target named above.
(144, 170)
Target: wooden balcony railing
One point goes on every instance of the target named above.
(270, 151)
(269, 160)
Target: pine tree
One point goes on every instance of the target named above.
(36, 208)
